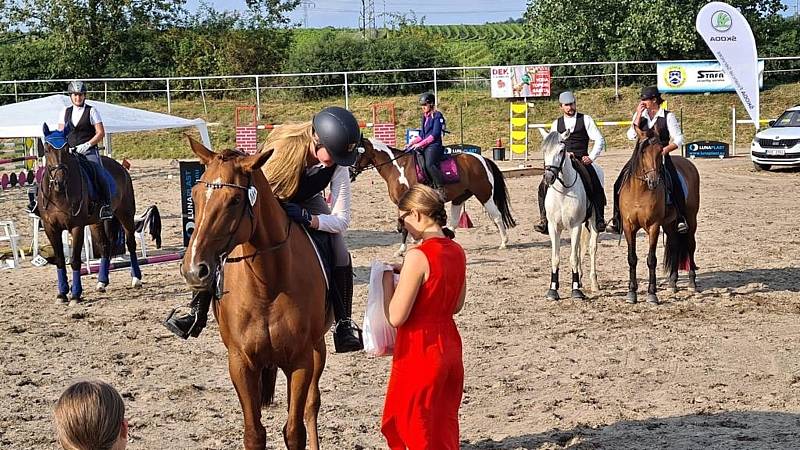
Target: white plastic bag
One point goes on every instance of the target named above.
(378, 334)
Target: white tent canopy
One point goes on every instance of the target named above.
(25, 119)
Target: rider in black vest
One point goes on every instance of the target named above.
(336, 135)
(84, 138)
(648, 109)
(578, 145)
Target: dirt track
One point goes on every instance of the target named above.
(719, 369)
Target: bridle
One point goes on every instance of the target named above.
(555, 171)
(51, 171)
(354, 172)
(643, 178)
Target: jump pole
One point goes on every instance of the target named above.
(94, 268)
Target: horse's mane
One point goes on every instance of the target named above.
(379, 145)
(551, 143)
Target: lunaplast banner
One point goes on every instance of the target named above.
(728, 35)
(520, 81)
(697, 76)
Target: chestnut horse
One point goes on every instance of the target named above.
(478, 176)
(271, 308)
(642, 205)
(64, 204)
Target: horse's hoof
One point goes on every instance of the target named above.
(552, 294)
(577, 294)
(673, 289)
(693, 289)
(61, 299)
(652, 299)
(136, 283)
(595, 287)
(101, 287)
(631, 298)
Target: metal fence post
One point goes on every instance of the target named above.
(346, 93)
(435, 87)
(169, 101)
(105, 91)
(616, 80)
(733, 131)
(16, 98)
(203, 96)
(258, 100)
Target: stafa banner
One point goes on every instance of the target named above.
(728, 35)
(697, 76)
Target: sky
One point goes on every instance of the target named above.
(346, 13)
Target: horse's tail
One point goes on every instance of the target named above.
(677, 249)
(151, 217)
(268, 377)
(500, 195)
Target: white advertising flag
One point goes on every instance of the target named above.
(728, 35)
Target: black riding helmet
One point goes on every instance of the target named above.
(427, 99)
(337, 129)
(76, 87)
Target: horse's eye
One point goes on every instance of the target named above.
(236, 200)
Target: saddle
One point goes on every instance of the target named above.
(447, 167)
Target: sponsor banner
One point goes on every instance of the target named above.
(190, 171)
(728, 35)
(520, 81)
(677, 77)
(707, 149)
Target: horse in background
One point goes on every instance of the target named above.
(478, 176)
(270, 292)
(64, 204)
(643, 205)
(566, 204)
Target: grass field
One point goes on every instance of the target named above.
(484, 119)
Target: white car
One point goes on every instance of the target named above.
(778, 145)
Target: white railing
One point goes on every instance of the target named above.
(260, 83)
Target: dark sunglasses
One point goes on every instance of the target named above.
(401, 221)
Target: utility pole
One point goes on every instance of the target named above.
(306, 5)
(368, 18)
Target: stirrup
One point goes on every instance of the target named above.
(682, 227)
(613, 226)
(105, 213)
(347, 337)
(541, 227)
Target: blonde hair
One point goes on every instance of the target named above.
(287, 164)
(89, 416)
(426, 201)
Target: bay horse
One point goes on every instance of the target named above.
(478, 176)
(566, 204)
(64, 204)
(271, 306)
(643, 205)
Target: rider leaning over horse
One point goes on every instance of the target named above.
(582, 130)
(650, 115)
(432, 126)
(308, 158)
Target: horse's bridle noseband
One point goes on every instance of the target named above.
(650, 141)
(354, 172)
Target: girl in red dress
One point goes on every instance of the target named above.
(424, 393)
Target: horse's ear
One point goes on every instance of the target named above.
(641, 134)
(542, 132)
(45, 129)
(201, 151)
(254, 162)
(565, 135)
(40, 147)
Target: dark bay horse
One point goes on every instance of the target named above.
(478, 176)
(642, 205)
(64, 204)
(271, 308)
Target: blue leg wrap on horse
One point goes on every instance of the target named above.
(135, 271)
(63, 284)
(77, 288)
(102, 275)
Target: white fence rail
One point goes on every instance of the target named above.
(258, 84)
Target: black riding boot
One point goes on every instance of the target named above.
(346, 335)
(105, 201)
(615, 224)
(193, 323)
(541, 227)
(676, 192)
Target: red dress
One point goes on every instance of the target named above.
(427, 380)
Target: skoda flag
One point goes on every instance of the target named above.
(728, 35)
